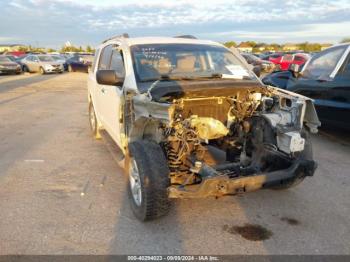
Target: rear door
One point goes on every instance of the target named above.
(29, 62)
(109, 98)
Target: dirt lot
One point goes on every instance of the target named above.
(61, 192)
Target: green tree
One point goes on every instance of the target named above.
(230, 44)
(89, 49)
(345, 40)
(23, 48)
(51, 50)
(69, 49)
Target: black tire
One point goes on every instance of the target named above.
(25, 69)
(154, 179)
(42, 71)
(93, 122)
(307, 153)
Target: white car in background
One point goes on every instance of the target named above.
(42, 64)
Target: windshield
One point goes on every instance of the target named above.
(56, 57)
(186, 61)
(45, 58)
(4, 59)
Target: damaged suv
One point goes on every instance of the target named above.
(190, 120)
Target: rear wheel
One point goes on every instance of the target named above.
(93, 122)
(148, 180)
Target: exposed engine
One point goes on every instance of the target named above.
(250, 132)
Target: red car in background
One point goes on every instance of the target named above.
(275, 58)
(283, 62)
(298, 59)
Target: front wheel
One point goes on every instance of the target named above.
(148, 180)
(42, 71)
(70, 68)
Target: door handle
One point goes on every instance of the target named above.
(103, 90)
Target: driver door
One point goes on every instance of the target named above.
(110, 98)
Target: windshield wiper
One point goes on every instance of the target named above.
(166, 77)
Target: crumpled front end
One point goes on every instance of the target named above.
(242, 141)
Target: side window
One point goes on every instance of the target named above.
(29, 58)
(287, 58)
(105, 58)
(298, 58)
(323, 64)
(345, 71)
(117, 62)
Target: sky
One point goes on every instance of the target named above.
(47, 23)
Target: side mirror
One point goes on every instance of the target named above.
(108, 77)
(295, 69)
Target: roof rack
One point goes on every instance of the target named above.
(186, 36)
(125, 35)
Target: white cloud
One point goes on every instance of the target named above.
(270, 20)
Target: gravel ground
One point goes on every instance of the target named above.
(61, 192)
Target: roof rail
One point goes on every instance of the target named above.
(124, 35)
(186, 36)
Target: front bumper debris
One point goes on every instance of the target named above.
(220, 185)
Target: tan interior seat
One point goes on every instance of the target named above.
(185, 64)
(164, 66)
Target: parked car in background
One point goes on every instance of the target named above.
(264, 65)
(42, 64)
(289, 59)
(9, 67)
(324, 78)
(12, 58)
(274, 58)
(79, 63)
(60, 59)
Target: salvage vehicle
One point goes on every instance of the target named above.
(326, 79)
(9, 67)
(264, 65)
(190, 120)
(42, 64)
